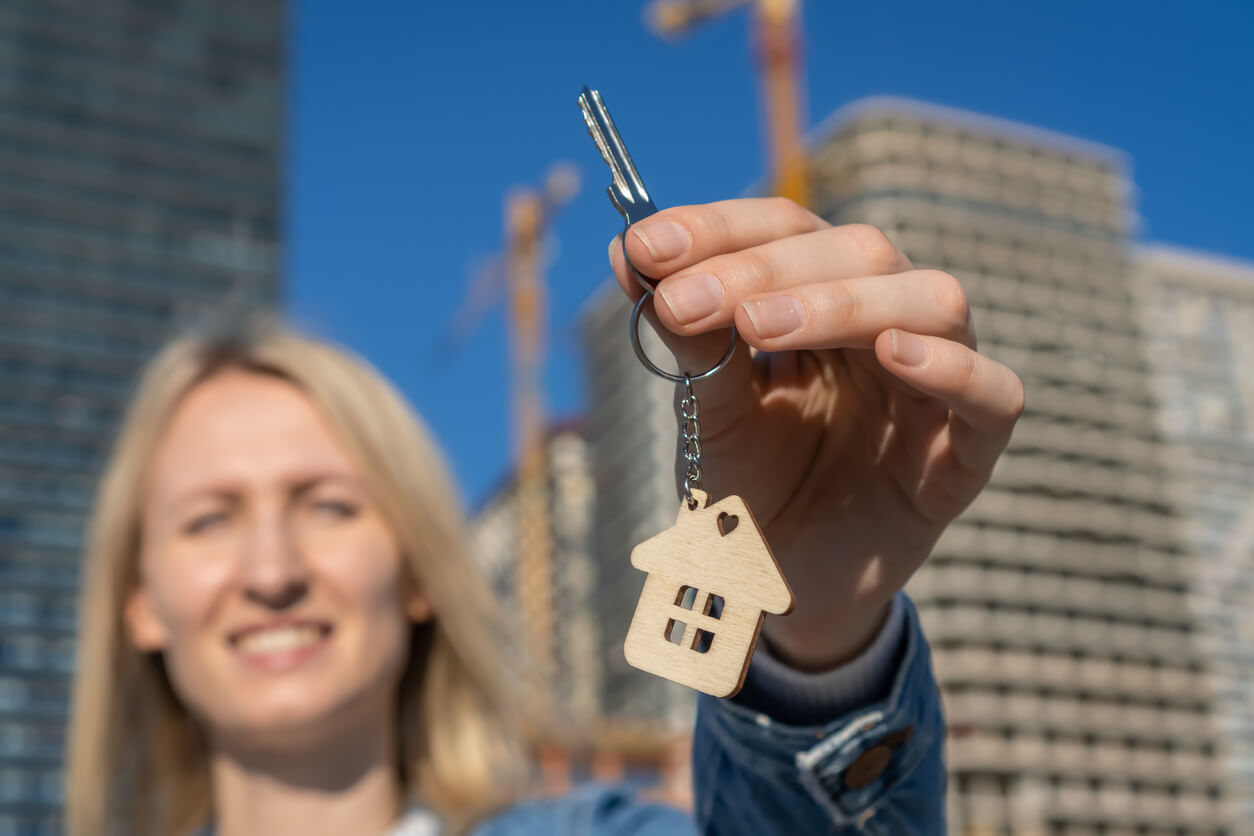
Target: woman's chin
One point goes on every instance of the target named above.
(290, 720)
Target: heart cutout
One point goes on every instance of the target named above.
(727, 523)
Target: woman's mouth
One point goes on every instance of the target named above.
(281, 646)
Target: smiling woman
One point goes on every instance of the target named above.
(269, 541)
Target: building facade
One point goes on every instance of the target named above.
(577, 727)
(1092, 614)
(139, 189)
(1061, 606)
(632, 429)
(566, 672)
(1199, 323)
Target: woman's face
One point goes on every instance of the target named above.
(270, 582)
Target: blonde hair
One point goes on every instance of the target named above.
(136, 759)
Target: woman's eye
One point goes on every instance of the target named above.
(204, 521)
(337, 508)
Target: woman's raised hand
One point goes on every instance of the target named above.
(862, 425)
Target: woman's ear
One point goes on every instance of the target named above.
(143, 627)
(417, 605)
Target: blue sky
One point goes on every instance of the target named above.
(409, 121)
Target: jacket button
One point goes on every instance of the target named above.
(897, 738)
(868, 767)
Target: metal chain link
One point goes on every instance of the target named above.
(690, 430)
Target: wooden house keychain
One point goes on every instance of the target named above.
(711, 577)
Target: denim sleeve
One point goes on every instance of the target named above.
(876, 770)
(592, 809)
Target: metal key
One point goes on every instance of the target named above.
(626, 190)
(628, 194)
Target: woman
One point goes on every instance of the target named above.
(282, 633)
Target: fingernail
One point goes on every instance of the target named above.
(909, 350)
(663, 239)
(614, 245)
(775, 316)
(692, 297)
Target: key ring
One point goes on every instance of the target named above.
(634, 332)
(641, 279)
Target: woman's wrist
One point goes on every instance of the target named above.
(805, 699)
(823, 642)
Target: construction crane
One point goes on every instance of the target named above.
(519, 274)
(776, 33)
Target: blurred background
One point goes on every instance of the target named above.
(414, 180)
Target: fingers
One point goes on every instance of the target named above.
(705, 294)
(851, 313)
(985, 397)
(684, 235)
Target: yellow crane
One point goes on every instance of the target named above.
(776, 32)
(528, 213)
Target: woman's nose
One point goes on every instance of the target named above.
(274, 570)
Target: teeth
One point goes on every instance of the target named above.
(279, 639)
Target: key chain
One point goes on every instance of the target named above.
(711, 578)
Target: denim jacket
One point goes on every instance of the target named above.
(876, 770)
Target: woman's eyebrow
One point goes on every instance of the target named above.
(304, 485)
(202, 492)
(298, 486)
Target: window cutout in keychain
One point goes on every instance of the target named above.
(677, 620)
(714, 606)
(675, 631)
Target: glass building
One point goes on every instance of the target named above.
(1199, 322)
(139, 192)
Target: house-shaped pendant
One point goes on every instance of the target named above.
(711, 581)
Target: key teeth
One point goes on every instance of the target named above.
(600, 144)
(626, 190)
(597, 135)
(587, 115)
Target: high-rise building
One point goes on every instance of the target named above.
(1060, 607)
(1063, 608)
(1090, 614)
(632, 431)
(566, 671)
(139, 186)
(1199, 325)
(561, 685)
(573, 735)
